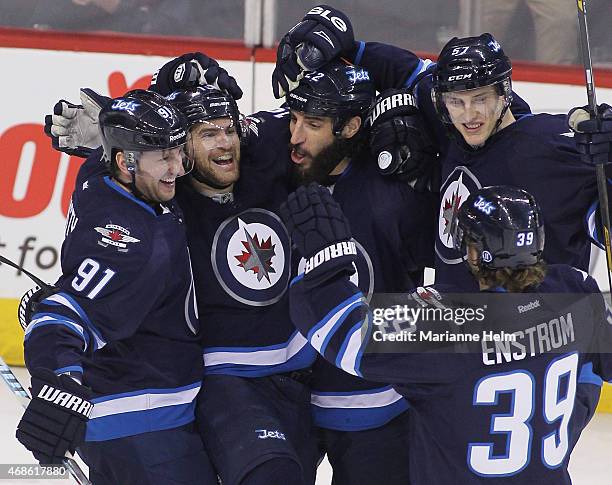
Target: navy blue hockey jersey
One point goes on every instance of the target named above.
(537, 153)
(125, 315)
(242, 261)
(510, 411)
(394, 230)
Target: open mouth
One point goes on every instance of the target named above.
(297, 156)
(168, 182)
(472, 127)
(223, 160)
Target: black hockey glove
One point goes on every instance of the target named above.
(320, 232)
(190, 70)
(400, 142)
(73, 128)
(29, 303)
(54, 421)
(593, 136)
(324, 34)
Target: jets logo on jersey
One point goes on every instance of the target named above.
(455, 190)
(117, 236)
(363, 277)
(251, 257)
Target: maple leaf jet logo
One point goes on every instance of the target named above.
(451, 209)
(257, 256)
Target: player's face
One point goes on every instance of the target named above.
(157, 172)
(215, 149)
(474, 112)
(310, 135)
(315, 151)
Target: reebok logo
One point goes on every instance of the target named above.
(264, 434)
(177, 136)
(529, 306)
(390, 102)
(299, 98)
(344, 248)
(66, 400)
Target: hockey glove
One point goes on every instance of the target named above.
(73, 128)
(400, 143)
(191, 70)
(29, 303)
(54, 421)
(593, 136)
(324, 33)
(320, 232)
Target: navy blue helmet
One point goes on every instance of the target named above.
(205, 103)
(470, 63)
(140, 121)
(337, 90)
(505, 224)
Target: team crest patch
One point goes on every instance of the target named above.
(456, 189)
(251, 257)
(117, 236)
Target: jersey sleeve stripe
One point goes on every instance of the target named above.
(320, 334)
(44, 319)
(65, 300)
(360, 51)
(348, 354)
(422, 66)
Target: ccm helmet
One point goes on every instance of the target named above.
(140, 121)
(505, 224)
(470, 63)
(337, 90)
(205, 103)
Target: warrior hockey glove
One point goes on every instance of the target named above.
(325, 33)
(73, 128)
(190, 70)
(320, 232)
(54, 421)
(593, 136)
(29, 303)
(400, 143)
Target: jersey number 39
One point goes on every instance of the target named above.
(516, 423)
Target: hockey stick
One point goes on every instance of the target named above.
(24, 398)
(35, 279)
(602, 187)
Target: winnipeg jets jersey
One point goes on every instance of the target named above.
(124, 316)
(393, 228)
(495, 412)
(242, 261)
(537, 153)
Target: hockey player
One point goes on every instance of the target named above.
(490, 414)
(465, 100)
(253, 412)
(328, 110)
(114, 349)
